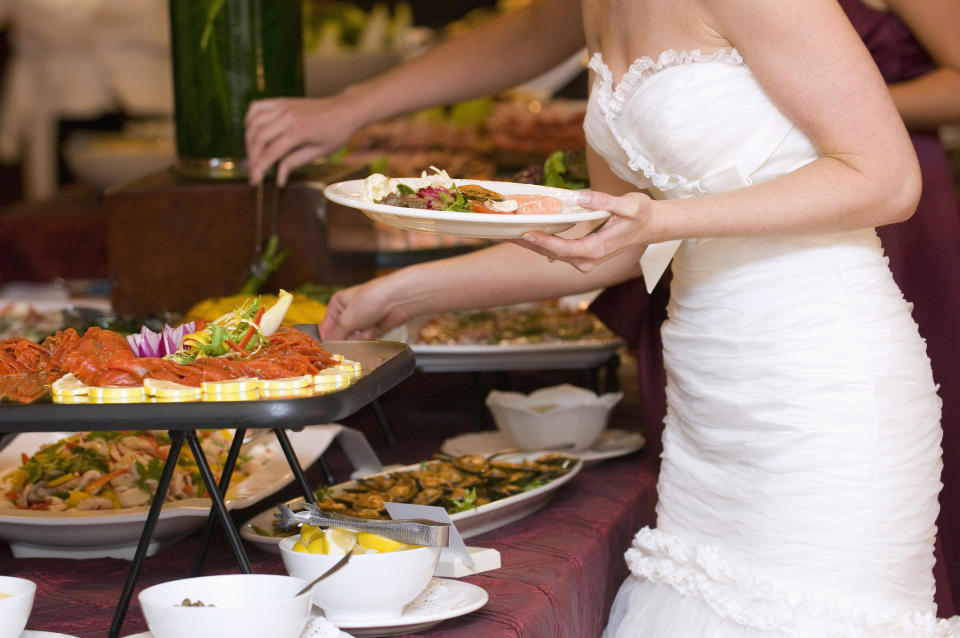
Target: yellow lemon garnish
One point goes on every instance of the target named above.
(59, 397)
(117, 393)
(340, 541)
(70, 385)
(289, 383)
(299, 547)
(171, 390)
(378, 543)
(307, 532)
(331, 378)
(318, 545)
(253, 395)
(230, 386)
(286, 394)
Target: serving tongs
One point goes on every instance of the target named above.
(416, 531)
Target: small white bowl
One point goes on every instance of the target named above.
(370, 587)
(558, 415)
(15, 608)
(243, 606)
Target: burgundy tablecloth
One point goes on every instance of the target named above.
(561, 566)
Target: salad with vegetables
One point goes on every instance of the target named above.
(438, 191)
(239, 333)
(114, 470)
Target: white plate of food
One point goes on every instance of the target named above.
(548, 336)
(532, 495)
(611, 443)
(561, 204)
(72, 533)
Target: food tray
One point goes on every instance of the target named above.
(384, 364)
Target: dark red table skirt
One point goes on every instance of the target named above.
(561, 566)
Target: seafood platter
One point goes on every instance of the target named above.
(243, 368)
(479, 492)
(435, 203)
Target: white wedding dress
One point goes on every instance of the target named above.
(801, 453)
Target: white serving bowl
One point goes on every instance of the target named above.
(554, 416)
(244, 606)
(15, 608)
(370, 587)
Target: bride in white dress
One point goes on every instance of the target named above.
(801, 463)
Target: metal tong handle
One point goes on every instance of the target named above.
(416, 531)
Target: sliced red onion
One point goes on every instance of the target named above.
(158, 344)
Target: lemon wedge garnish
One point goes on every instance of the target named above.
(299, 547)
(378, 543)
(117, 394)
(70, 385)
(308, 531)
(289, 383)
(230, 386)
(339, 541)
(171, 390)
(318, 545)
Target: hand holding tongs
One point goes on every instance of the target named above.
(416, 531)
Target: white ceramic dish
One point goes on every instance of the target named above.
(478, 358)
(115, 533)
(484, 225)
(550, 417)
(469, 523)
(370, 587)
(236, 605)
(611, 443)
(44, 634)
(441, 600)
(16, 606)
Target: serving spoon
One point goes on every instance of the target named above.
(337, 566)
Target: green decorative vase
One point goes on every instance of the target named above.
(227, 53)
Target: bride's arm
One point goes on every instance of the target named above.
(814, 66)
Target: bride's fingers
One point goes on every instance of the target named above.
(628, 205)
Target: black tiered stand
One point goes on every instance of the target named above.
(384, 364)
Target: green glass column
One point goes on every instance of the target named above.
(227, 53)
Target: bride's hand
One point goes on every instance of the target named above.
(626, 228)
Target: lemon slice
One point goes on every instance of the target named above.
(378, 543)
(230, 386)
(253, 395)
(70, 385)
(299, 547)
(170, 390)
(59, 397)
(117, 394)
(292, 393)
(339, 541)
(289, 383)
(331, 378)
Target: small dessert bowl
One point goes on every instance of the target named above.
(552, 417)
(235, 605)
(16, 602)
(369, 587)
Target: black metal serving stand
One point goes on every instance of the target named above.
(384, 364)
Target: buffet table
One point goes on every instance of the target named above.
(561, 565)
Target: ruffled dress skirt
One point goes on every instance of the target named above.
(801, 464)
